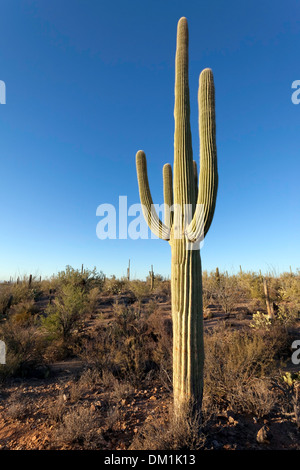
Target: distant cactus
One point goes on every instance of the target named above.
(217, 275)
(152, 277)
(128, 271)
(269, 304)
(182, 234)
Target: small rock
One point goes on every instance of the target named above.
(263, 436)
(216, 444)
(231, 420)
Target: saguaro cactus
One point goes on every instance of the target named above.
(183, 235)
(128, 271)
(152, 277)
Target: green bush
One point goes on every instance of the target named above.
(65, 314)
(114, 286)
(86, 279)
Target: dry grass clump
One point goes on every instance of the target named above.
(87, 382)
(24, 348)
(79, 426)
(238, 370)
(179, 431)
(17, 406)
(57, 409)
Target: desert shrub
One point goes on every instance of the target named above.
(131, 345)
(96, 352)
(79, 426)
(57, 409)
(288, 314)
(121, 390)
(127, 333)
(141, 343)
(258, 398)
(23, 292)
(163, 288)
(63, 317)
(86, 279)
(5, 299)
(88, 380)
(24, 313)
(224, 289)
(253, 283)
(93, 299)
(160, 347)
(289, 292)
(141, 291)
(180, 431)
(17, 406)
(237, 367)
(150, 308)
(24, 348)
(158, 278)
(113, 418)
(114, 286)
(12, 294)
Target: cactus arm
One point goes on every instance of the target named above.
(208, 178)
(155, 224)
(168, 194)
(195, 169)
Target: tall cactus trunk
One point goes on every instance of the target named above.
(184, 230)
(187, 319)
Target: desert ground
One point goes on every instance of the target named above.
(89, 364)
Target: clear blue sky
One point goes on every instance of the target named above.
(90, 82)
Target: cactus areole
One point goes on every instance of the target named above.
(180, 190)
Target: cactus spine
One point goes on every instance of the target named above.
(182, 189)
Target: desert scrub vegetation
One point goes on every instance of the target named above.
(114, 286)
(24, 348)
(40, 320)
(76, 296)
(43, 321)
(178, 431)
(79, 425)
(132, 345)
(239, 366)
(12, 294)
(124, 344)
(64, 314)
